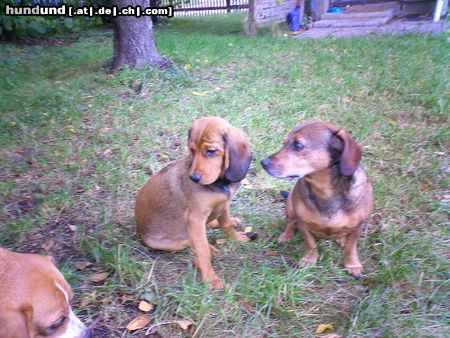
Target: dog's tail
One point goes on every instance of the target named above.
(284, 194)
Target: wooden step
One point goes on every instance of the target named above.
(351, 23)
(373, 7)
(389, 13)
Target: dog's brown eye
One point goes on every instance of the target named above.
(297, 146)
(211, 153)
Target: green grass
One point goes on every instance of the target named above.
(77, 143)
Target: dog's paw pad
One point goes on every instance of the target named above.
(215, 284)
(307, 261)
(355, 271)
(284, 238)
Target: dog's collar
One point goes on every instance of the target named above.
(222, 184)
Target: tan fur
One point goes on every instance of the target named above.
(333, 196)
(172, 211)
(33, 296)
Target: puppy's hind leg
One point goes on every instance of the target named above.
(166, 244)
(227, 223)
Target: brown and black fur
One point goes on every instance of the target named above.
(174, 205)
(332, 198)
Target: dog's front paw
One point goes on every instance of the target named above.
(215, 284)
(285, 237)
(355, 271)
(308, 260)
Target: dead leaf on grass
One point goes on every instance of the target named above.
(200, 93)
(82, 265)
(247, 229)
(184, 324)
(221, 241)
(48, 245)
(99, 277)
(249, 307)
(138, 323)
(331, 335)
(145, 306)
(424, 187)
(271, 253)
(88, 299)
(110, 151)
(72, 227)
(323, 327)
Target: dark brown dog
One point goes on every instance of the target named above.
(174, 205)
(333, 196)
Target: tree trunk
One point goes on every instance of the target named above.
(134, 45)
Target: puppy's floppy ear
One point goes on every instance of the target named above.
(350, 152)
(238, 155)
(14, 324)
(189, 134)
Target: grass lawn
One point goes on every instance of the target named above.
(77, 143)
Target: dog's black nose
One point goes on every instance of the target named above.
(265, 163)
(195, 177)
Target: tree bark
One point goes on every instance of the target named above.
(134, 45)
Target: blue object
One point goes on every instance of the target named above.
(294, 20)
(336, 10)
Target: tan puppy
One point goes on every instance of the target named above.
(174, 205)
(35, 299)
(333, 196)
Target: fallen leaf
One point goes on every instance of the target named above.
(110, 151)
(184, 324)
(247, 229)
(187, 66)
(48, 245)
(331, 335)
(72, 227)
(200, 93)
(221, 241)
(82, 265)
(138, 323)
(163, 158)
(88, 299)
(271, 253)
(249, 307)
(99, 277)
(145, 306)
(323, 327)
